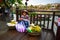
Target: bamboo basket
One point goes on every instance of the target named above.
(35, 34)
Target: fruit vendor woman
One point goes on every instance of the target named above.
(25, 18)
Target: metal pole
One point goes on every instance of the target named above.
(26, 4)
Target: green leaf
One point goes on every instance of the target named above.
(19, 1)
(12, 1)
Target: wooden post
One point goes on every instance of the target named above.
(16, 14)
(44, 21)
(53, 20)
(40, 19)
(37, 19)
(48, 22)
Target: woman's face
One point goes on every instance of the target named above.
(24, 13)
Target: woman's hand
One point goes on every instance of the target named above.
(20, 18)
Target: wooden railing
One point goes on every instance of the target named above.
(37, 19)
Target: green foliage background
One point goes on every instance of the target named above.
(8, 2)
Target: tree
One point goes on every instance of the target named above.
(31, 6)
(48, 6)
(35, 7)
(8, 3)
(57, 7)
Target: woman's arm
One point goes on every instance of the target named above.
(28, 17)
(21, 18)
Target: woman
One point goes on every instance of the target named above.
(25, 18)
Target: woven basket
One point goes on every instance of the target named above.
(11, 27)
(35, 34)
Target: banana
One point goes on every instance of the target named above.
(34, 28)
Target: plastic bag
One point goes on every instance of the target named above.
(20, 27)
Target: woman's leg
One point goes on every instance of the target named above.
(26, 24)
(20, 21)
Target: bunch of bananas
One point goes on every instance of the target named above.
(13, 22)
(34, 28)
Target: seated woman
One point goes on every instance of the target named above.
(25, 18)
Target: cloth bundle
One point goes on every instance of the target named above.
(20, 27)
